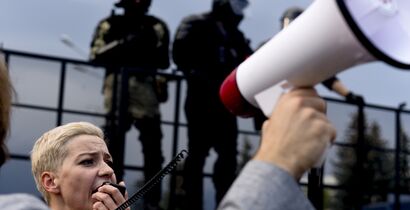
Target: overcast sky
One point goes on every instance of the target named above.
(37, 25)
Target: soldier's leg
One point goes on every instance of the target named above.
(114, 133)
(150, 137)
(225, 146)
(199, 144)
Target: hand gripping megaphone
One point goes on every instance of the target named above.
(328, 37)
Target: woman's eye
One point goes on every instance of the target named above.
(87, 162)
(109, 163)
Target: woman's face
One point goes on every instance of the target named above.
(87, 166)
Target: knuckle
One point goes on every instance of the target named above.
(309, 113)
(98, 205)
(297, 102)
(105, 196)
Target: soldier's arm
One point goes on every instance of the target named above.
(98, 40)
(183, 51)
(162, 45)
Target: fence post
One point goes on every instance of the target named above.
(397, 152)
(361, 155)
(315, 187)
(172, 188)
(115, 122)
(61, 93)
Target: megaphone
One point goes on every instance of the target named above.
(328, 37)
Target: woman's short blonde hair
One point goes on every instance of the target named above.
(50, 149)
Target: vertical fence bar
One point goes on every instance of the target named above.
(115, 119)
(315, 190)
(361, 154)
(61, 93)
(397, 153)
(6, 58)
(172, 188)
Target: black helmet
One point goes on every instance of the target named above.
(127, 3)
(237, 6)
(121, 3)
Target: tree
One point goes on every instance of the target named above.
(404, 163)
(362, 170)
(245, 153)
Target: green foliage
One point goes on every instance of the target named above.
(404, 163)
(365, 171)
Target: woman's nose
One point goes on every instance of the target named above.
(106, 170)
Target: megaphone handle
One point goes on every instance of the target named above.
(267, 100)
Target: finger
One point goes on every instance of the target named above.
(327, 130)
(113, 192)
(314, 102)
(304, 91)
(329, 127)
(105, 198)
(265, 125)
(99, 206)
(333, 134)
(109, 189)
(122, 183)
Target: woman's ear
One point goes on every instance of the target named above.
(50, 182)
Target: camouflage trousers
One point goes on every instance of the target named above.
(141, 96)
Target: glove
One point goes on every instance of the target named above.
(355, 99)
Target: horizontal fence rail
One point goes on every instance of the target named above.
(176, 123)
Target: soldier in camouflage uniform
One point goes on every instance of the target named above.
(207, 47)
(138, 43)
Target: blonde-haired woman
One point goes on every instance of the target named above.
(70, 164)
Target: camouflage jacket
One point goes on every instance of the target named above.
(142, 43)
(142, 46)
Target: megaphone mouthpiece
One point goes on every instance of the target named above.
(329, 37)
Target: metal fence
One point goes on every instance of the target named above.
(51, 91)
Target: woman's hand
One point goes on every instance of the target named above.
(109, 197)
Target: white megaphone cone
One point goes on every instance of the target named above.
(328, 37)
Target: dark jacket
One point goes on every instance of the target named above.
(204, 46)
